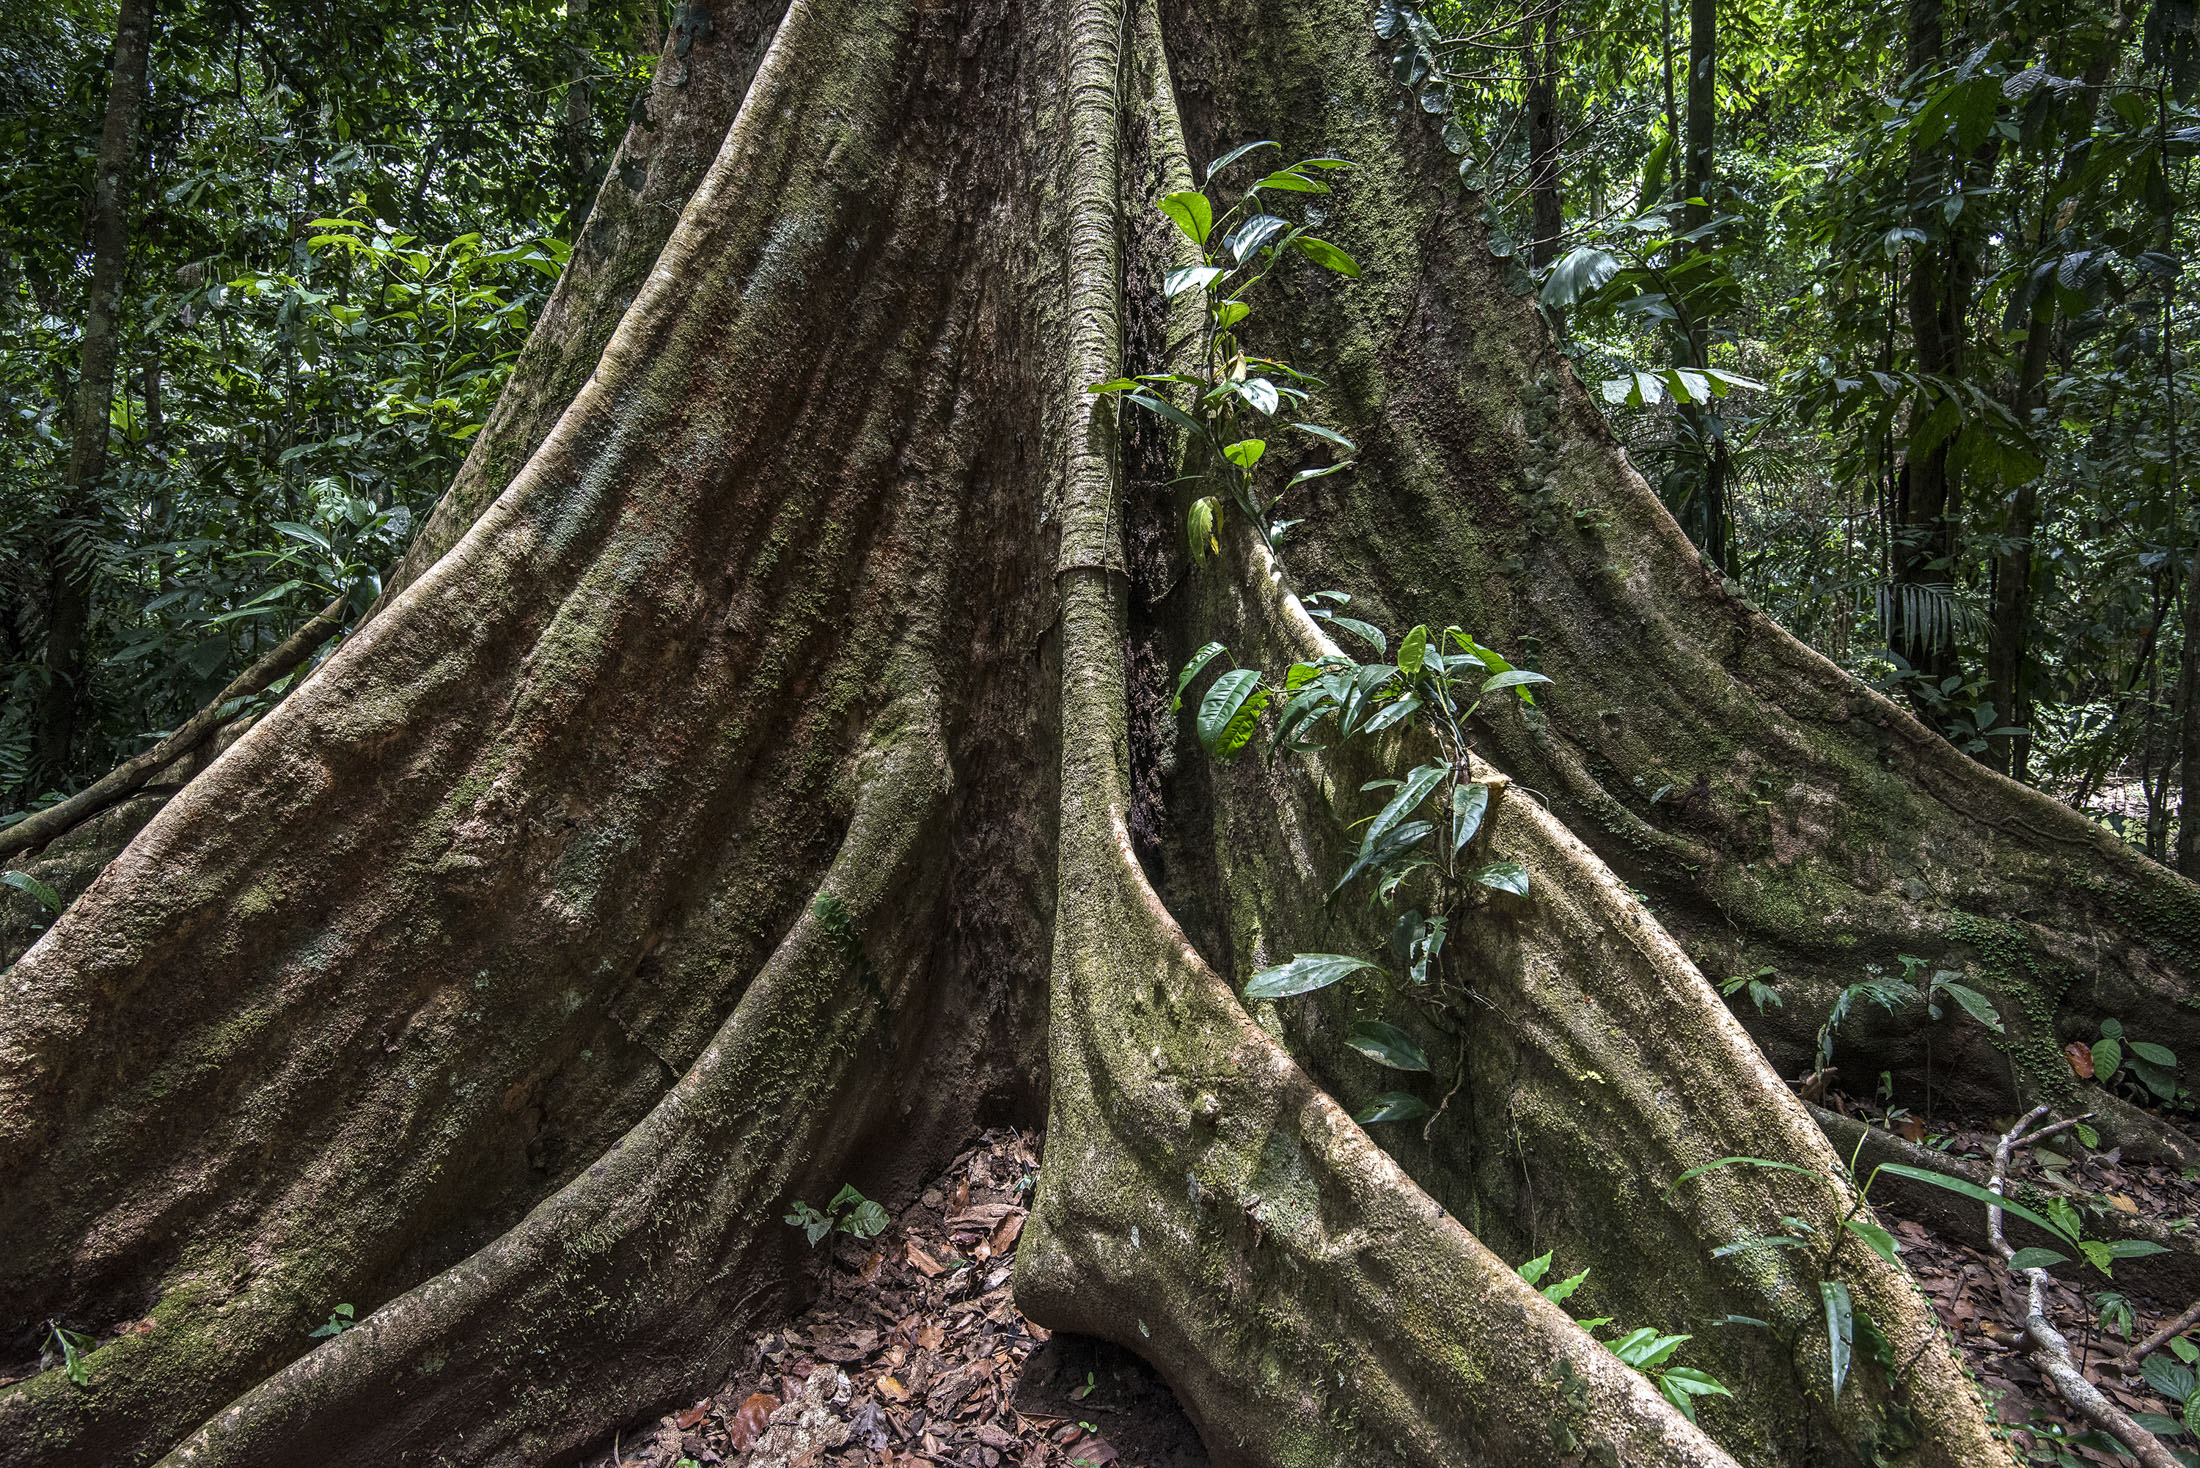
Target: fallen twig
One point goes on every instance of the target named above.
(2128, 1362)
(2046, 1347)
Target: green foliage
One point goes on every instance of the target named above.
(68, 1348)
(342, 224)
(339, 1320)
(1236, 396)
(849, 1212)
(1645, 1349)
(2147, 1070)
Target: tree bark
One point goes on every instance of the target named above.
(485, 984)
(69, 568)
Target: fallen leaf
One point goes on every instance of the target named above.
(930, 1335)
(892, 1390)
(2080, 1056)
(692, 1415)
(1095, 1450)
(1911, 1129)
(962, 1195)
(922, 1262)
(1004, 1237)
(749, 1422)
(2121, 1203)
(872, 1265)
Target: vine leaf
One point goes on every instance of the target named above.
(1235, 154)
(1411, 793)
(1303, 974)
(1386, 1044)
(1327, 255)
(1505, 876)
(1391, 1106)
(1230, 711)
(1192, 213)
(1468, 802)
(1840, 1329)
(1199, 660)
(25, 882)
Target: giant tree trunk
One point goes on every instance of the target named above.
(766, 772)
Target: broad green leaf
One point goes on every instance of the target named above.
(2037, 1258)
(1322, 473)
(1973, 1191)
(1882, 1242)
(1535, 1269)
(1682, 1384)
(1260, 395)
(1977, 1005)
(1304, 974)
(1516, 678)
(1199, 526)
(1395, 711)
(1190, 278)
(1291, 183)
(2152, 1053)
(1120, 384)
(1411, 792)
(1579, 272)
(1412, 650)
(1230, 711)
(1230, 313)
(1468, 802)
(1235, 154)
(2135, 1248)
(1505, 876)
(1395, 843)
(1253, 233)
(1192, 213)
(1246, 452)
(1167, 410)
(1840, 1329)
(1391, 1106)
(1362, 630)
(1386, 1044)
(1558, 1293)
(1326, 255)
(25, 882)
(1328, 436)
(1644, 1348)
(2108, 1058)
(2172, 1379)
(1199, 660)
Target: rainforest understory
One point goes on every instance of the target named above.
(760, 776)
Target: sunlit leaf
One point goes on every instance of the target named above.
(1304, 974)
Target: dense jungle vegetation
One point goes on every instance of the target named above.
(1910, 368)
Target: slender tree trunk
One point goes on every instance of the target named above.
(580, 123)
(70, 572)
(737, 799)
(1703, 506)
(1703, 67)
(1545, 166)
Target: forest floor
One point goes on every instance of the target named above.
(914, 1354)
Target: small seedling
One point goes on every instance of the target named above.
(850, 1213)
(339, 1320)
(71, 1347)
